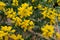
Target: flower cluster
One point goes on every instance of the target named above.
(22, 12)
(17, 21)
(49, 13)
(15, 2)
(57, 35)
(20, 17)
(5, 31)
(10, 13)
(25, 10)
(2, 5)
(16, 37)
(47, 30)
(27, 25)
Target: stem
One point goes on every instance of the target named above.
(38, 34)
(57, 28)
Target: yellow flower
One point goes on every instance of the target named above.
(15, 3)
(7, 28)
(31, 23)
(39, 6)
(13, 31)
(44, 14)
(57, 35)
(47, 30)
(17, 21)
(51, 14)
(10, 13)
(2, 33)
(22, 11)
(27, 25)
(2, 5)
(16, 37)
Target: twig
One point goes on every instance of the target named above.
(38, 34)
(57, 28)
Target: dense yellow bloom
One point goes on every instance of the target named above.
(10, 13)
(2, 33)
(2, 5)
(17, 21)
(15, 3)
(16, 37)
(7, 28)
(41, 7)
(47, 30)
(27, 25)
(25, 10)
(51, 14)
(57, 35)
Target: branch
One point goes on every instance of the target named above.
(38, 34)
